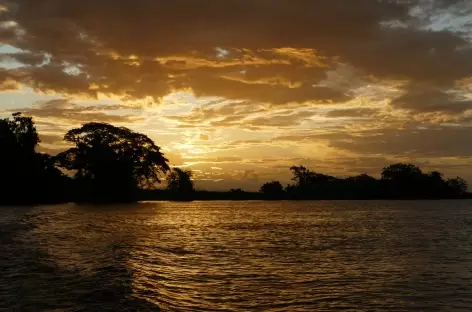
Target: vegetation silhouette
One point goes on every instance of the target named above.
(109, 164)
(27, 177)
(272, 190)
(180, 185)
(398, 181)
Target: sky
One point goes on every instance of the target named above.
(240, 90)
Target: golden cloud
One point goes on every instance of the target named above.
(256, 50)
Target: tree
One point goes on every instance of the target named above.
(179, 184)
(362, 186)
(272, 190)
(18, 140)
(404, 181)
(312, 185)
(401, 172)
(301, 175)
(110, 163)
(435, 186)
(26, 176)
(19, 134)
(458, 186)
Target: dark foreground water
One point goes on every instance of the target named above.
(238, 256)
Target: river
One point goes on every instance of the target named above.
(238, 256)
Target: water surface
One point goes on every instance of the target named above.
(238, 256)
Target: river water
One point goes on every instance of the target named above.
(238, 256)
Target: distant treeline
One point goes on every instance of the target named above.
(398, 181)
(114, 164)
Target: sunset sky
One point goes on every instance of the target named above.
(240, 90)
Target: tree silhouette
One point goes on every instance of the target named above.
(458, 186)
(401, 172)
(311, 185)
(18, 140)
(362, 187)
(26, 176)
(179, 184)
(110, 163)
(236, 191)
(272, 190)
(404, 181)
(301, 176)
(398, 181)
(19, 134)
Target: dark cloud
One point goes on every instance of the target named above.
(65, 111)
(432, 100)
(412, 141)
(260, 50)
(184, 25)
(8, 34)
(24, 58)
(54, 79)
(436, 58)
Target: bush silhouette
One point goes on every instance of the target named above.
(272, 190)
(179, 184)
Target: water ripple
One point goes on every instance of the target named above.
(245, 256)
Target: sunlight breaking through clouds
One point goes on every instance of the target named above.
(311, 82)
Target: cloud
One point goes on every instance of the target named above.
(275, 52)
(435, 58)
(209, 85)
(218, 114)
(52, 143)
(432, 100)
(29, 59)
(8, 81)
(411, 141)
(372, 79)
(174, 158)
(53, 79)
(218, 159)
(281, 120)
(250, 175)
(50, 139)
(67, 113)
(352, 112)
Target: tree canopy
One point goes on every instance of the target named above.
(272, 190)
(26, 175)
(112, 162)
(179, 183)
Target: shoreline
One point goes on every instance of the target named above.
(141, 201)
